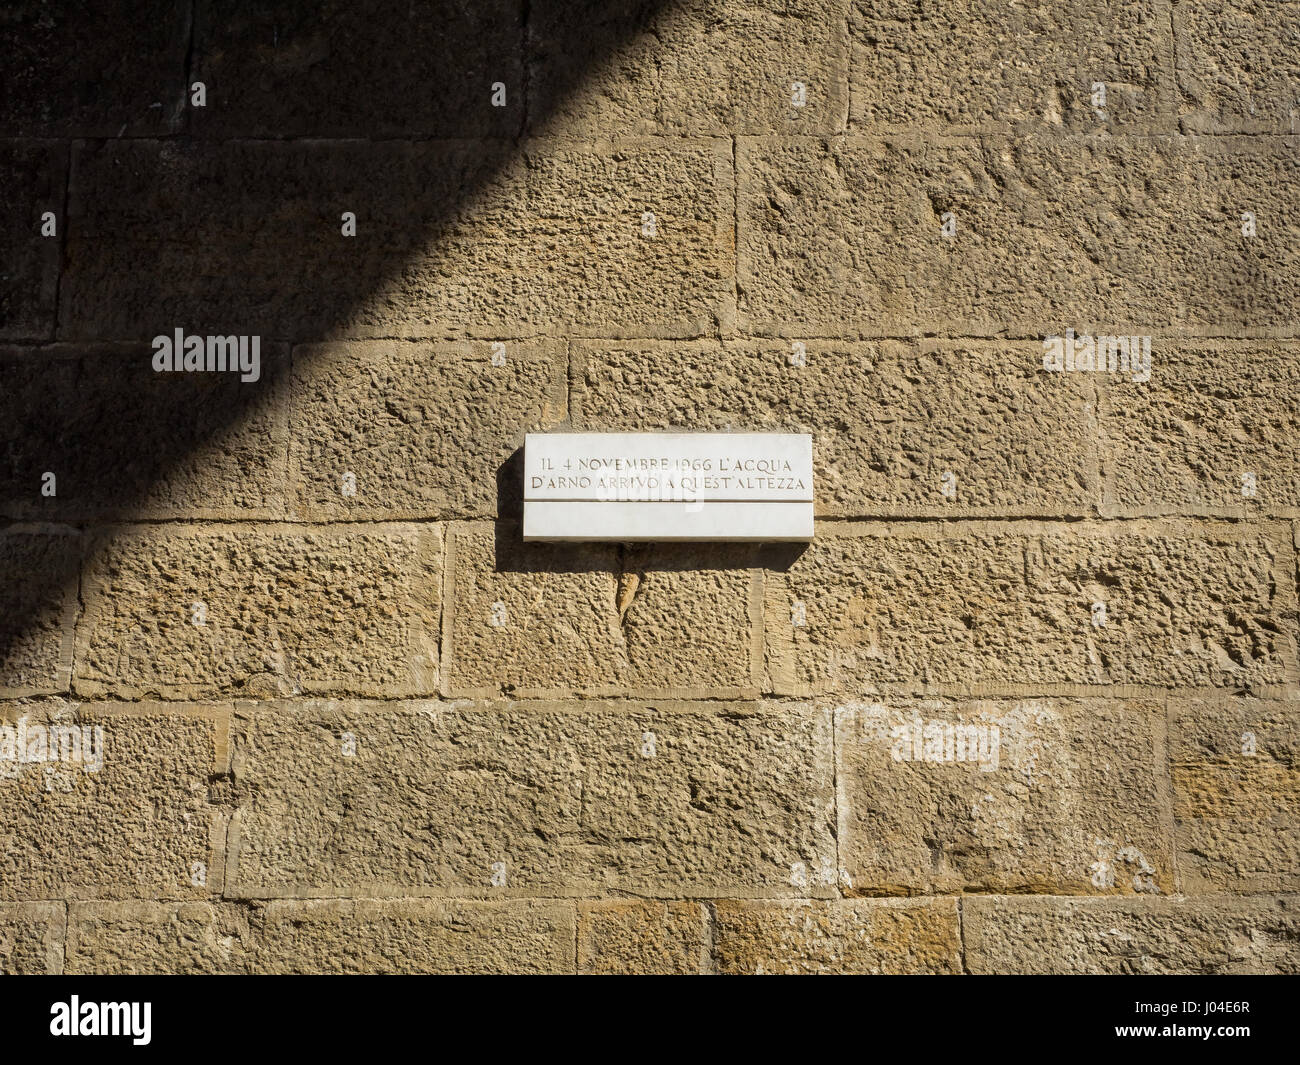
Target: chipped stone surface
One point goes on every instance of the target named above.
(69, 72)
(520, 799)
(988, 65)
(1237, 65)
(1219, 936)
(1013, 604)
(1064, 797)
(192, 611)
(211, 446)
(697, 66)
(34, 176)
(889, 420)
(446, 231)
(865, 936)
(39, 596)
(31, 938)
(1026, 702)
(383, 68)
(117, 805)
(1236, 786)
(625, 937)
(426, 430)
(550, 620)
(842, 235)
(1212, 432)
(357, 936)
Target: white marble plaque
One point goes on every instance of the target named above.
(668, 486)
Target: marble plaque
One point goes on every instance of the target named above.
(668, 486)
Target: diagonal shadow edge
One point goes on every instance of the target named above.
(93, 410)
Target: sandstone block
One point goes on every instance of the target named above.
(184, 611)
(488, 799)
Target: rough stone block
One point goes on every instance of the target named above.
(34, 175)
(877, 936)
(122, 440)
(39, 567)
(1106, 236)
(31, 938)
(343, 68)
(987, 64)
(1002, 606)
(700, 66)
(417, 936)
(87, 69)
(1035, 795)
(1213, 412)
(1236, 794)
(1238, 65)
(633, 937)
(1221, 936)
(189, 611)
(519, 798)
(466, 237)
(425, 430)
(110, 800)
(142, 937)
(550, 620)
(889, 420)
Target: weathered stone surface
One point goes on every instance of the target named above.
(31, 938)
(684, 758)
(122, 440)
(995, 606)
(1213, 412)
(325, 936)
(377, 68)
(1106, 235)
(549, 620)
(888, 420)
(80, 69)
(417, 936)
(1056, 796)
(1098, 936)
(449, 240)
(551, 799)
(348, 609)
(699, 66)
(160, 938)
(125, 812)
(1238, 66)
(878, 936)
(1236, 794)
(987, 65)
(34, 176)
(38, 606)
(426, 430)
(627, 937)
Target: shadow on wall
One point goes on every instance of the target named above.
(227, 219)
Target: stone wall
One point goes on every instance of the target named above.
(1027, 703)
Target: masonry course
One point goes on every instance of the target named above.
(1025, 704)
